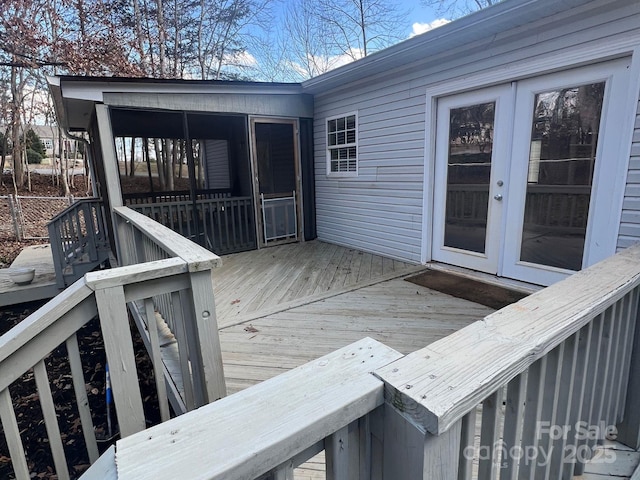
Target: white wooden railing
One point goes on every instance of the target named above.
(536, 376)
(221, 224)
(546, 375)
(104, 294)
(180, 333)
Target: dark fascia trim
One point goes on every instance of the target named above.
(173, 81)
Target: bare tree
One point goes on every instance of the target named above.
(457, 8)
(320, 35)
(357, 28)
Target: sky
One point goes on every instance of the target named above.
(421, 18)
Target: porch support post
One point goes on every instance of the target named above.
(111, 172)
(191, 164)
(629, 428)
(109, 157)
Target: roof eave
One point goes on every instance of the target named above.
(481, 24)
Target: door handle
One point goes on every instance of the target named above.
(498, 197)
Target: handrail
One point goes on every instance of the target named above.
(25, 346)
(172, 243)
(79, 240)
(558, 357)
(565, 355)
(192, 327)
(270, 427)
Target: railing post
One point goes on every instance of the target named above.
(114, 323)
(629, 428)
(204, 310)
(409, 452)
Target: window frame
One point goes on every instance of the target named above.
(330, 148)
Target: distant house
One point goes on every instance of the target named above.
(506, 142)
(48, 136)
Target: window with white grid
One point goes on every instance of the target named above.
(342, 147)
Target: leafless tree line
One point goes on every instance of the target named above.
(204, 39)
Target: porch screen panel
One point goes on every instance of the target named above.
(468, 176)
(562, 158)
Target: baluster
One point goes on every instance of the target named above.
(467, 445)
(551, 394)
(490, 433)
(337, 453)
(565, 387)
(629, 428)
(532, 415)
(50, 420)
(589, 400)
(631, 329)
(12, 436)
(615, 362)
(513, 420)
(577, 400)
(156, 358)
(183, 350)
(81, 397)
(604, 376)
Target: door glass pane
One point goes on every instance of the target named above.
(468, 176)
(562, 158)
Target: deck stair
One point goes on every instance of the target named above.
(79, 240)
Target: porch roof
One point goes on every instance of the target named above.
(75, 97)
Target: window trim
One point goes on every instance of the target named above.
(330, 148)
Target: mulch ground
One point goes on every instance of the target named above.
(24, 393)
(27, 405)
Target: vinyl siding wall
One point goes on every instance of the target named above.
(630, 221)
(381, 210)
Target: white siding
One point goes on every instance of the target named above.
(630, 221)
(381, 210)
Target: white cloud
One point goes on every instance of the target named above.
(419, 28)
(241, 59)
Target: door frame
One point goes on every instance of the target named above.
(489, 261)
(294, 122)
(567, 59)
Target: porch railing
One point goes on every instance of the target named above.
(173, 196)
(180, 333)
(79, 240)
(542, 380)
(550, 377)
(26, 347)
(222, 225)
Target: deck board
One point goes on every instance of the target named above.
(339, 296)
(44, 283)
(260, 280)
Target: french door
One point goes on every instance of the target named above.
(525, 174)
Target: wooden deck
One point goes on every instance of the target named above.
(43, 285)
(252, 284)
(281, 307)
